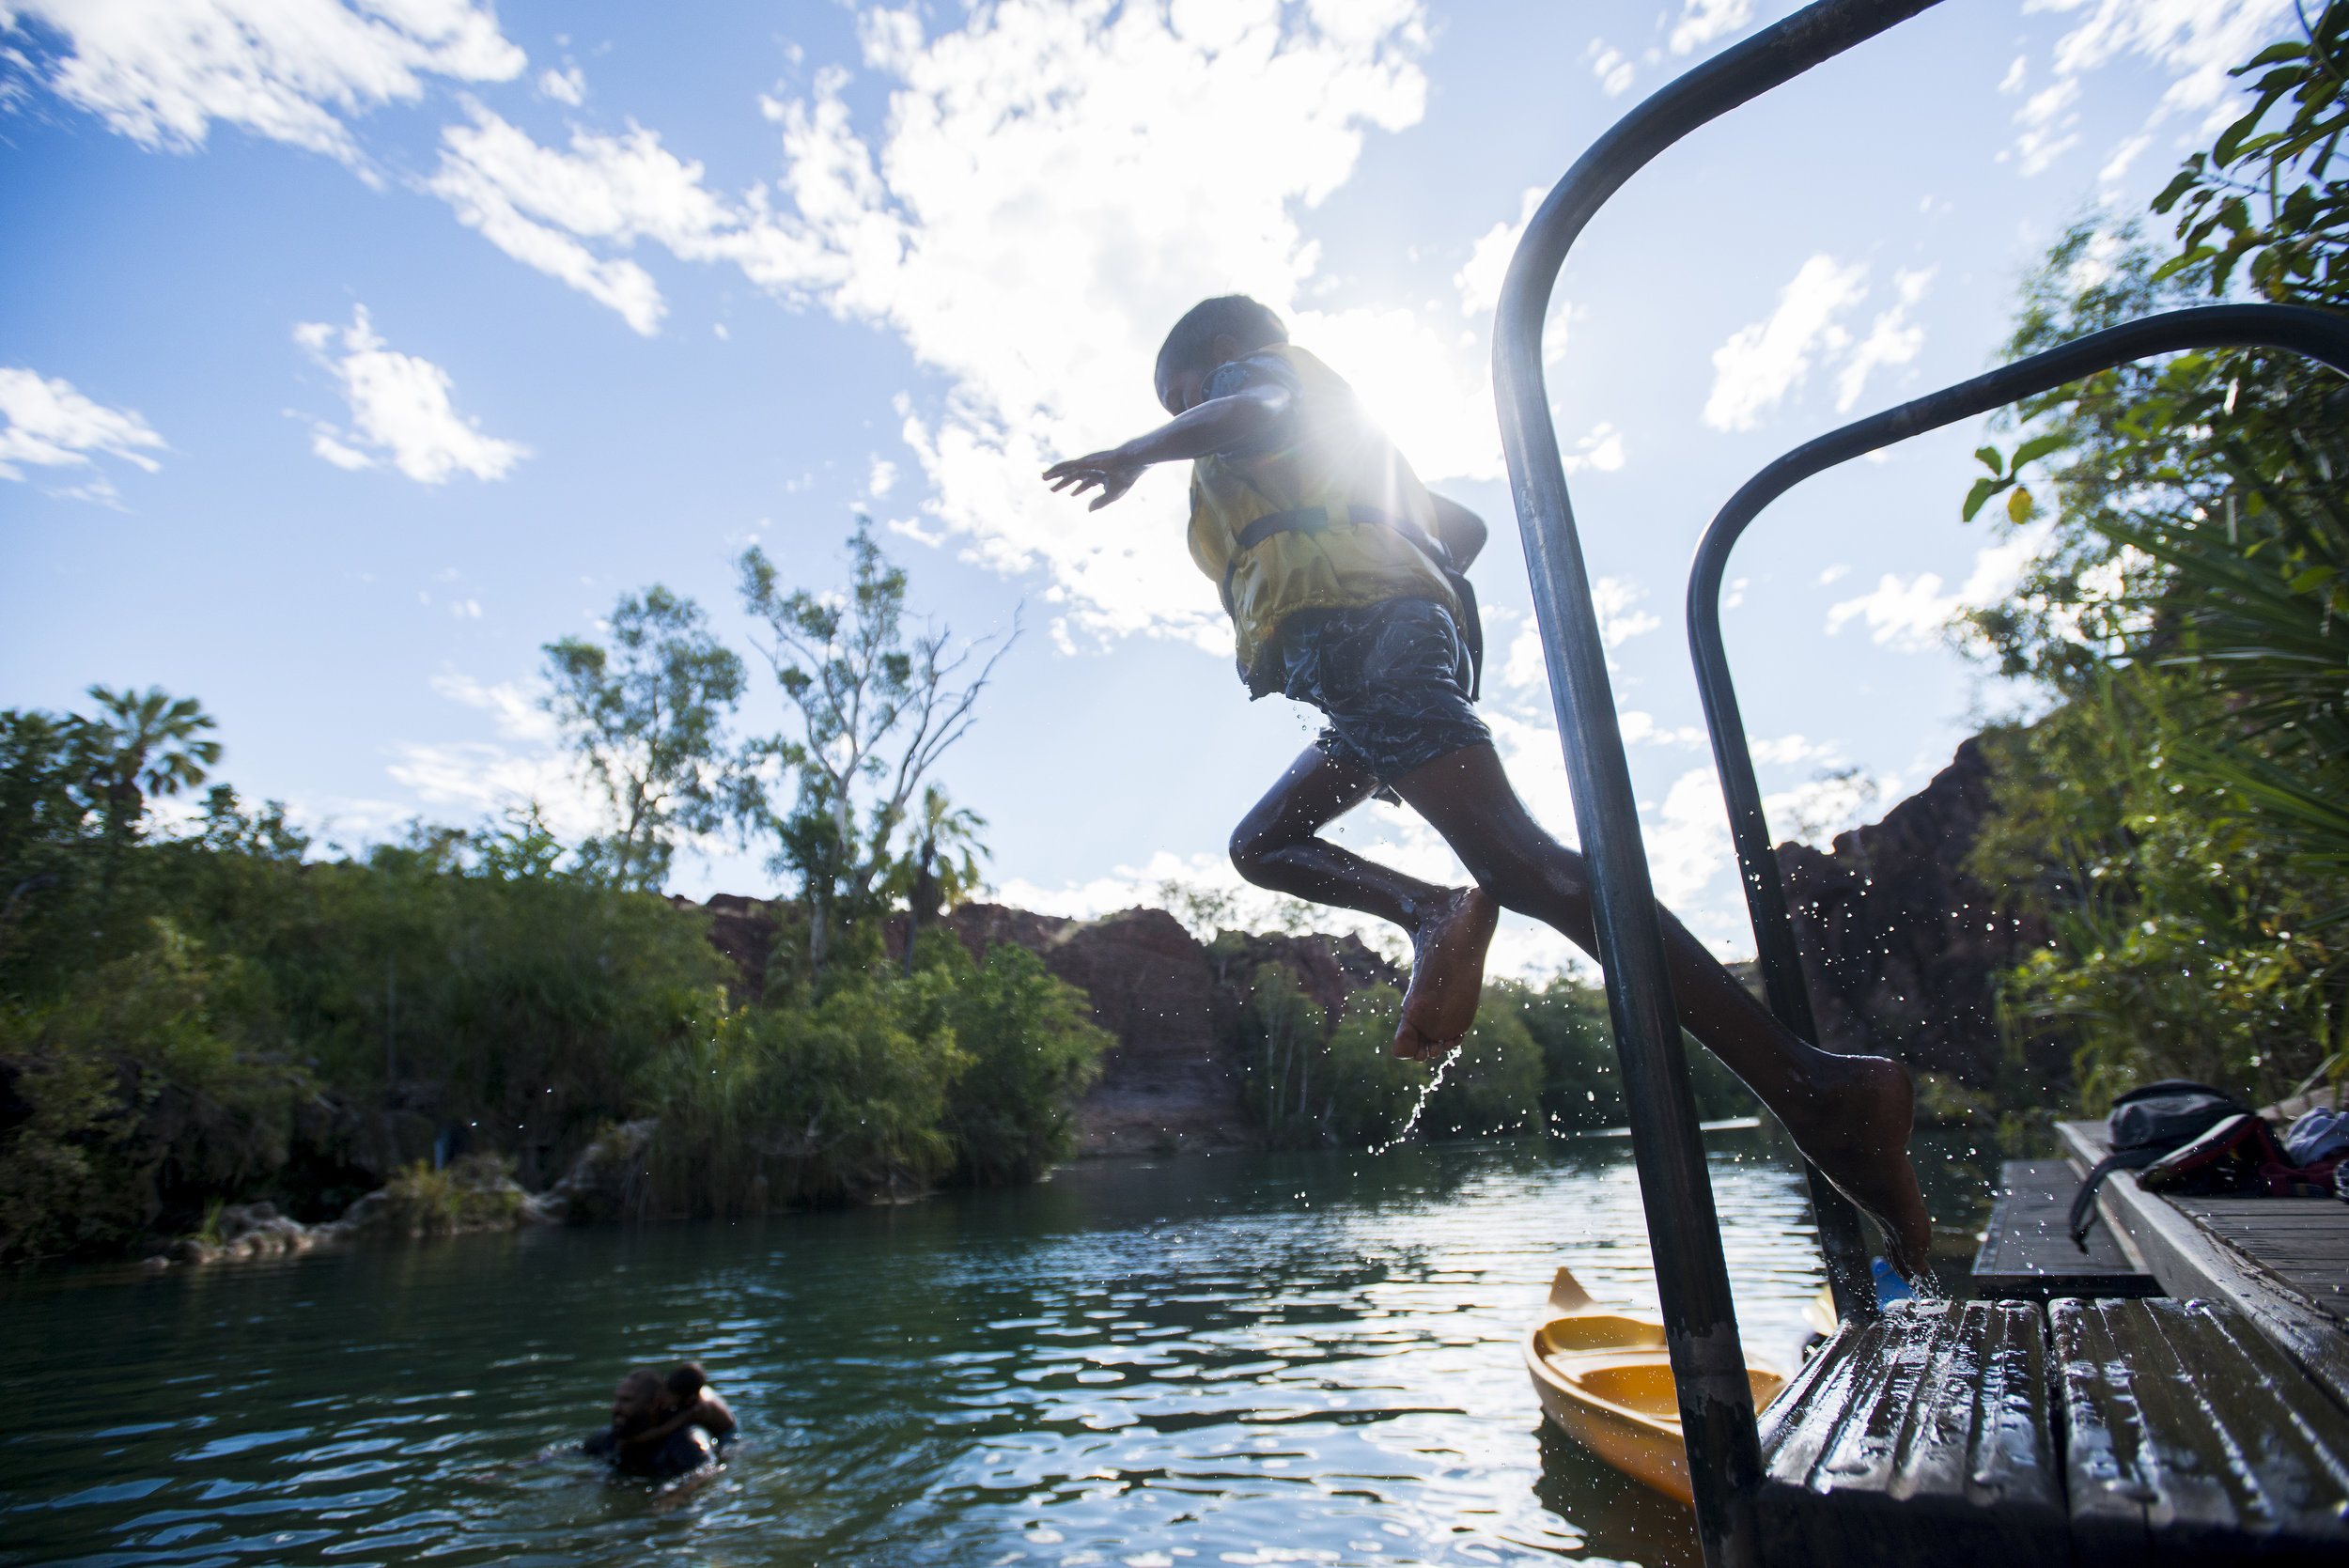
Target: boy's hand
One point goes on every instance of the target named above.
(1114, 471)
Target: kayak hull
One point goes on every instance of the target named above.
(1605, 1379)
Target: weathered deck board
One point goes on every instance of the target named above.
(1918, 1440)
(2188, 1438)
(2304, 1241)
(2271, 1259)
(2027, 1254)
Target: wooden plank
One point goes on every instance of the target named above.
(2190, 1438)
(1918, 1441)
(2027, 1252)
(2191, 1259)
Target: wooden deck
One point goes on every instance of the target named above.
(2027, 1253)
(2178, 1393)
(2283, 1262)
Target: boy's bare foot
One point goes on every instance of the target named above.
(1447, 974)
(1857, 1136)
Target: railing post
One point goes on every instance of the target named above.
(1684, 1232)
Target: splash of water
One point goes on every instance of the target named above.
(1427, 1091)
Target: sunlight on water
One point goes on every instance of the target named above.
(1259, 1359)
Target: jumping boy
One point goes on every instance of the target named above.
(1342, 575)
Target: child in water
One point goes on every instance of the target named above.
(663, 1426)
(1343, 577)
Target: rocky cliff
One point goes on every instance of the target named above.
(1172, 1083)
(1899, 945)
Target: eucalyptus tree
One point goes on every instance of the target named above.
(874, 702)
(647, 717)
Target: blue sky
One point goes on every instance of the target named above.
(352, 351)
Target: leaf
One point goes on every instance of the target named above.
(2018, 505)
(1983, 490)
(2176, 188)
(2039, 446)
(1991, 458)
(2223, 152)
(2289, 50)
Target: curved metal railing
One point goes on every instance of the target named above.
(2318, 335)
(1683, 1233)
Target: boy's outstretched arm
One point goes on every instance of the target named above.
(1213, 426)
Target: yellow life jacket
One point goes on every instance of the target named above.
(1333, 519)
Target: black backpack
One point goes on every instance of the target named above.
(2147, 1124)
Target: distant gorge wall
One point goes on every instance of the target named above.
(1172, 1083)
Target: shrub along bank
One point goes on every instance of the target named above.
(1541, 1057)
(207, 1014)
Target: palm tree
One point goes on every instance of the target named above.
(143, 745)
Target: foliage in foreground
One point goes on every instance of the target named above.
(2182, 815)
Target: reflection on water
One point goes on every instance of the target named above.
(1274, 1358)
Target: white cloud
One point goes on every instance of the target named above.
(1839, 570)
(1894, 339)
(1479, 282)
(2045, 117)
(1025, 170)
(1914, 614)
(1618, 622)
(526, 763)
(2016, 75)
(1909, 616)
(2197, 41)
(50, 424)
(1790, 748)
(538, 206)
(516, 706)
(884, 478)
(568, 85)
(399, 411)
(1703, 20)
(1815, 812)
(1525, 667)
(1761, 362)
(1642, 729)
(159, 71)
(1687, 839)
(1602, 449)
(1613, 71)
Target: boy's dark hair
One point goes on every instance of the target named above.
(1232, 316)
(686, 1380)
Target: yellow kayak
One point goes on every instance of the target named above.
(1607, 1381)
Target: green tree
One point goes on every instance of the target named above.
(877, 705)
(1030, 1051)
(647, 718)
(2182, 816)
(145, 744)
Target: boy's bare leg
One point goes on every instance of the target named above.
(1278, 846)
(1850, 1114)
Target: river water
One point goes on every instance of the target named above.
(1246, 1359)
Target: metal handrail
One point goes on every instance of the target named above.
(1684, 1231)
(2317, 335)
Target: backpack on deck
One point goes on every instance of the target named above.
(2146, 1125)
